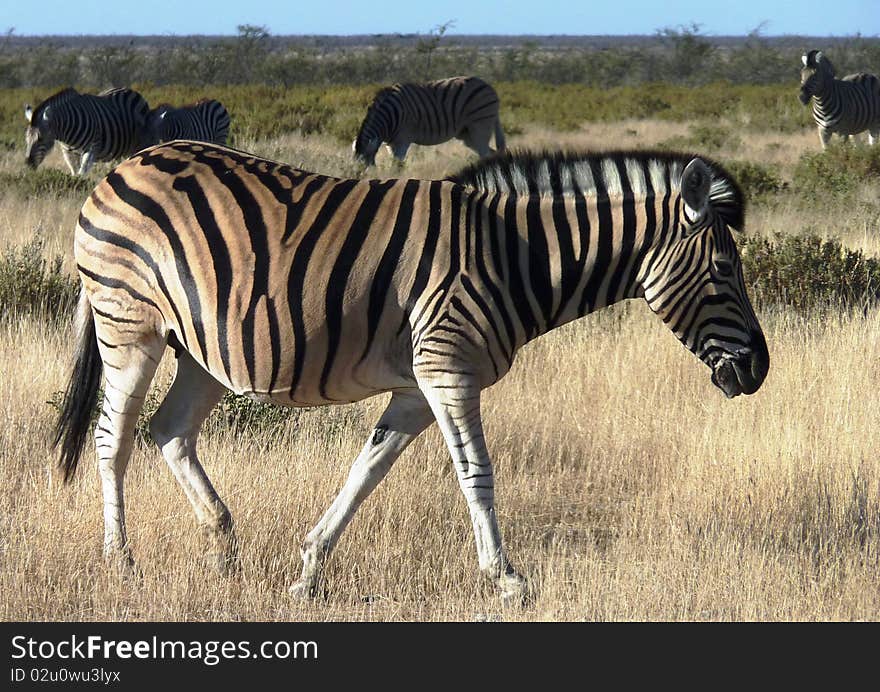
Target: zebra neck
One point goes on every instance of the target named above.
(565, 258)
(826, 104)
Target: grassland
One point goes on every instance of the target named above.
(628, 487)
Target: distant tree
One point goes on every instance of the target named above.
(249, 55)
(690, 53)
(429, 44)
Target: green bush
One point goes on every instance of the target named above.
(238, 416)
(839, 170)
(809, 273)
(45, 182)
(703, 137)
(31, 284)
(755, 179)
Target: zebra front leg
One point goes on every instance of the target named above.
(175, 429)
(398, 150)
(458, 414)
(71, 158)
(824, 137)
(873, 135)
(86, 162)
(128, 371)
(405, 417)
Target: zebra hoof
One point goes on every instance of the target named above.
(224, 563)
(122, 565)
(513, 589)
(303, 591)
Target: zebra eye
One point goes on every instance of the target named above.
(723, 267)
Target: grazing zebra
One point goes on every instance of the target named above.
(304, 290)
(96, 128)
(846, 106)
(462, 107)
(206, 121)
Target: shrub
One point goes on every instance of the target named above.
(238, 416)
(29, 283)
(755, 179)
(45, 182)
(839, 170)
(703, 137)
(809, 273)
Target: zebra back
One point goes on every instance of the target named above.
(205, 121)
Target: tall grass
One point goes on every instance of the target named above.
(628, 487)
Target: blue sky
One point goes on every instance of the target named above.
(813, 17)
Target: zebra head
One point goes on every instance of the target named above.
(692, 279)
(379, 124)
(365, 147)
(156, 125)
(39, 137)
(816, 72)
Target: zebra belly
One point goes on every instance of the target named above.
(321, 368)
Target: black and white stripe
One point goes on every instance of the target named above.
(845, 106)
(94, 128)
(303, 289)
(206, 121)
(465, 108)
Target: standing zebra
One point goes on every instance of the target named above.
(846, 106)
(339, 289)
(462, 107)
(97, 128)
(205, 121)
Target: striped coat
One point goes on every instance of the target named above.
(206, 121)
(845, 106)
(302, 289)
(465, 108)
(93, 128)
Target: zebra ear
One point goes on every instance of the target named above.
(695, 183)
(354, 144)
(804, 59)
(28, 111)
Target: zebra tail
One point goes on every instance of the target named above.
(500, 144)
(74, 420)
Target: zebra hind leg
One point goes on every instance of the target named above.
(458, 414)
(477, 137)
(405, 417)
(175, 429)
(128, 370)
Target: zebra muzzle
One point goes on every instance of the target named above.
(742, 372)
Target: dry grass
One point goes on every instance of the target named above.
(628, 488)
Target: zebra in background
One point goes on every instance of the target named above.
(846, 106)
(341, 289)
(465, 108)
(94, 128)
(206, 121)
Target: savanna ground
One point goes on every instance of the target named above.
(627, 487)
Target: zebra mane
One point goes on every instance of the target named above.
(65, 94)
(598, 174)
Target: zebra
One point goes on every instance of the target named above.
(465, 108)
(846, 106)
(97, 128)
(303, 289)
(206, 121)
